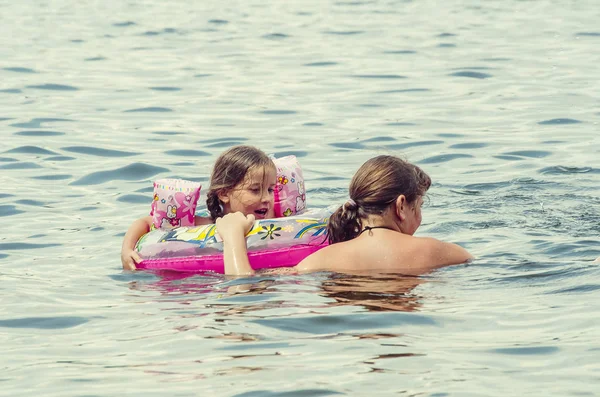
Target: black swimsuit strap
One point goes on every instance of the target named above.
(369, 228)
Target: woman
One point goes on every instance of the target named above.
(372, 231)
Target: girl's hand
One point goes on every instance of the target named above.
(130, 258)
(233, 228)
(234, 225)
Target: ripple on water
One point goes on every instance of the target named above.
(343, 32)
(400, 52)
(496, 59)
(30, 150)
(8, 210)
(397, 146)
(96, 151)
(275, 36)
(44, 322)
(224, 144)
(507, 158)
(54, 177)
(54, 87)
(151, 109)
(377, 139)
(165, 88)
(400, 124)
(19, 70)
(560, 121)
(218, 21)
(39, 133)
(328, 324)
(123, 24)
(297, 153)
(320, 64)
(37, 122)
(403, 91)
(93, 59)
(313, 124)
(134, 199)
(7, 159)
(25, 246)
(11, 91)
(295, 393)
(168, 133)
(559, 169)
(27, 165)
(147, 189)
(34, 203)
(527, 350)
(588, 34)
(59, 158)
(226, 139)
(469, 145)
(471, 74)
(131, 172)
(187, 153)
(378, 76)
(443, 158)
(278, 112)
(529, 153)
(348, 145)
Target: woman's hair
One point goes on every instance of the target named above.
(229, 170)
(375, 186)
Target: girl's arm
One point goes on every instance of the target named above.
(233, 228)
(129, 257)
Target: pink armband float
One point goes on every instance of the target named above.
(290, 193)
(174, 203)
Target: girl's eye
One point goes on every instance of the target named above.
(271, 190)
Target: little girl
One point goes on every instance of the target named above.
(243, 180)
(372, 231)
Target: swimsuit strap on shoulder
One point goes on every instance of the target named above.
(369, 228)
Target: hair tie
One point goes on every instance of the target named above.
(349, 205)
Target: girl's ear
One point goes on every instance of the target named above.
(401, 207)
(223, 195)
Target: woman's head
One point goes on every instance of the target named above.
(243, 179)
(381, 184)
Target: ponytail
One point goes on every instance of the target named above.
(213, 204)
(344, 224)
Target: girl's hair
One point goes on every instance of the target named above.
(229, 170)
(375, 186)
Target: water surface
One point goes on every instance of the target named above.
(497, 101)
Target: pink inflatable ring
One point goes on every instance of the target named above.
(279, 242)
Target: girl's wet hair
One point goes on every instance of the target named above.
(230, 169)
(375, 186)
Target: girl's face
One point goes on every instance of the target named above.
(253, 195)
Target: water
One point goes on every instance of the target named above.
(497, 101)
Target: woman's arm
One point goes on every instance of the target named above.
(129, 257)
(233, 228)
(445, 254)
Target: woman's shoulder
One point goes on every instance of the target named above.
(325, 257)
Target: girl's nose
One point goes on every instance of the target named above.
(265, 196)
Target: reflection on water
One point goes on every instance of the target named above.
(375, 293)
